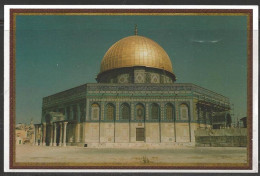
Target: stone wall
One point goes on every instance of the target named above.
(232, 137)
(124, 132)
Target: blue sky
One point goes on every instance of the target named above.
(55, 53)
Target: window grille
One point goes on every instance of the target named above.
(184, 112)
(125, 111)
(95, 111)
(110, 112)
(155, 111)
(169, 112)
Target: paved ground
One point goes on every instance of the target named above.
(29, 153)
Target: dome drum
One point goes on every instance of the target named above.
(137, 74)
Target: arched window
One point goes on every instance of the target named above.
(95, 111)
(184, 112)
(139, 112)
(125, 111)
(169, 111)
(110, 109)
(155, 111)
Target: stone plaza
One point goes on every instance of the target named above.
(80, 155)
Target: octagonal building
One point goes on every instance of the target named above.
(135, 103)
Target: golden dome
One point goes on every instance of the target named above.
(136, 51)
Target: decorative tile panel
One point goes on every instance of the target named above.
(132, 111)
(117, 110)
(146, 111)
(155, 78)
(139, 78)
(102, 110)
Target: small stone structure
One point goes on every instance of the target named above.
(24, 133)
(230, 137)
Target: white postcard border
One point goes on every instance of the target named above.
(7, 83)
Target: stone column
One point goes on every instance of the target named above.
(51, 129)
(54, 139)
(64, 133)
(44, 134)
(35, 140)
(38, 135)
(206, 117)
(60, 143)
(41, 137)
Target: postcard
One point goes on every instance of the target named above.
(133, 88)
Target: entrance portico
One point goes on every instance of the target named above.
(52, 132)
(58, 132)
